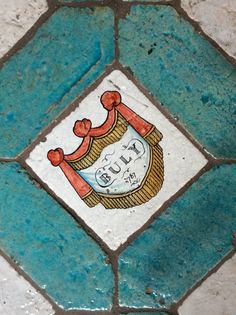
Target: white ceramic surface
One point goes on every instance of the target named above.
(181, 161)
(19, 297)
(16, 18)
(216, 295)
(217, 19)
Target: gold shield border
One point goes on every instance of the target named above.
(149, 187)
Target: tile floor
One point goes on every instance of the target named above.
(118, 157)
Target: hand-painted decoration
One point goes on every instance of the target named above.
(118, 164)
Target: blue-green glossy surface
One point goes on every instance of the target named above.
(183, 244)
(181, 68)
(66, 54)
(50, 246)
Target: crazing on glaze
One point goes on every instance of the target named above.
(118, 164)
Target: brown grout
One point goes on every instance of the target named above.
(165, 205)
(120, 11)
(35, 179)
(130, 310)
(167, 114)
(7, 160)
(28, 35)
(177, 6)
(20, 271)
(64, 113)
(208, 274)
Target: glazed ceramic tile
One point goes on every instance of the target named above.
(189, 77)
(50, 246)
(216, 296)
(217, 19)
(117, 181)
(16, 18)
(183, 244)
(17, 296)
(108, 205)
(39, 81)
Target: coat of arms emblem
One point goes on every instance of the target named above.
(118, 164)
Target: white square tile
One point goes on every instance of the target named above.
(182, 160)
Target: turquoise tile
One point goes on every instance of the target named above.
(183, 244)
(50, 246)
(66, 54)
(182, 70)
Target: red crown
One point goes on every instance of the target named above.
(119, 117)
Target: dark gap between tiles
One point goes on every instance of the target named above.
(28, 35)
(113, 255)
(20, 271)
(209, 273)
(177, 6)
(166, 204)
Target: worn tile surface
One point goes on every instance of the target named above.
(216, 296)
(50, 246)
(217, 19)
(40, 80)
(174, 253)
(117, 157)
(189, 77)
(181, 161)
(16, 18)
(17, 296)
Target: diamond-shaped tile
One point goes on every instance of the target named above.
(182, 160)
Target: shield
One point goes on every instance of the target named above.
(118, 164)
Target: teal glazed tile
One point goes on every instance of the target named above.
(184, 71)
(50, 246)
(66, 54)
(183, 244)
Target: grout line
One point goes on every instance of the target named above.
(211, 160)
(130, 310)
(165, 205)
(36, 180)
(7, 160)
(203, 279)
(113, 255)
(64, 113)
(52, 3)
(196, 25)
(13, 263)
(27, 36)
(167, 114)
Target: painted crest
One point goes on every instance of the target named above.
(118, 164)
